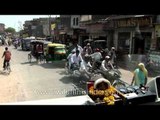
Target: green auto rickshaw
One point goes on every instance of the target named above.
(55, 52)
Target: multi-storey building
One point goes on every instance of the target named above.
(38, 27)
(2, 28)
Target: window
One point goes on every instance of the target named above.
(74, 21)
(77, 21)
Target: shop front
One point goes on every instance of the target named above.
(134, 35)
(80, 35)
(124, 42)
(154, 54)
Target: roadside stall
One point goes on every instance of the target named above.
(103, 93)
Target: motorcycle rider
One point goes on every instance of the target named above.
(106, 64)
(87, 49)
(69, 59)
(78, 47)
(16, 43)
(108, 70)
(86, 65)
(97, 56)
(76, 59)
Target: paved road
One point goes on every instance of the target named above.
(35, 81)
(38, 80)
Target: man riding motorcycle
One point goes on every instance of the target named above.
(86, 65)
(69, 59)
(76, 59)
(108, 70)
(87, 49)
(106, 64)
(97, 56)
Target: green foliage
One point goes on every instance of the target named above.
(10, 30)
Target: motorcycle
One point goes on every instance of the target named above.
(73, 71)
(16, 44)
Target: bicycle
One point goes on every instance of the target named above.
(7, 67)
(41, 57)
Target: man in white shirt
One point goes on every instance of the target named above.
(112, 54)
(78, 47)
(76, 58)
(69, 59)
(106, 64)
(85, 64)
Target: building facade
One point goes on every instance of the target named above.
(131, 34)
(2, 28)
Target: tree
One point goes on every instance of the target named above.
(10, 30)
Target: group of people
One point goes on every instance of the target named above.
(87, 58)
(81, 55)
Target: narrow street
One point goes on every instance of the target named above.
(35, 81)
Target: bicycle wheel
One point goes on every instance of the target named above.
(8, 69)
(29, 57)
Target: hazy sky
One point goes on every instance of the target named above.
(16, 21)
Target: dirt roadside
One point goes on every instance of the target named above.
(11, 88)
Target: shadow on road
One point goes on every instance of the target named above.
(79, 85)
(52, 65)
(31, 63)
(62, 72)
(45, 65)
(4, 73)
(19, 49)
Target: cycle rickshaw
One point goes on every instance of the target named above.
(35, 46)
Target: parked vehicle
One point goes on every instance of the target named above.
(101, 44)
(55, 52)
(25, 43)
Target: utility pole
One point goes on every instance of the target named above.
(49, 19)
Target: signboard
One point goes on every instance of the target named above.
(53, 26)
(85, 18)
(132, 22)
